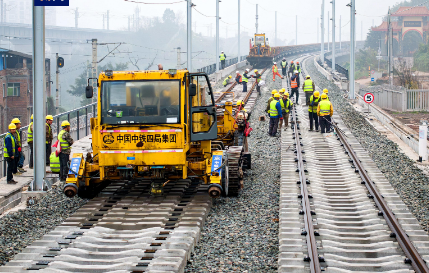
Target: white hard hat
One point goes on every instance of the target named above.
(247, 69)
(237, 72)
(296, 71)
(221, 52)
(275, 62)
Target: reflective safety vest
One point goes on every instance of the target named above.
(30, 133)
(222, 57)
(226, 81)
(9, 135)
(325, 108)
(285, 107)
(313, 104)
(64, 144)
(294, 83)
(55, 163)
(284, 64)
(308, 86)
(298, 68)
(18, 139)
(245, 78)
(275, 69)
(273, 109)
(239, 78)
(258, 77)
(49, 132)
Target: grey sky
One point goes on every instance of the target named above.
(91, 12)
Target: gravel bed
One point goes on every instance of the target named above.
(19, 229)
(241, 233)
(407, 179)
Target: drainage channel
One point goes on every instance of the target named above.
(123, 230)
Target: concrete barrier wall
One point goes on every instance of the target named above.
(230, 70)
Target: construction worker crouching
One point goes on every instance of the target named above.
(275, 115)
(222, 58)
(10, 152)
(325, 91)
(245, 80)
(286, 104)
(240, 105)
(294, 85)
(238, 77)
(49, 137)
(226, 81)
(325, 112)
(19, 160)
(30, 142)
(312, 110)
(308, 88)
(284, 67)
(54, 163)
(275, 72)
(65, 141)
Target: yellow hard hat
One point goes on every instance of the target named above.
(229, 76)
(282, 90)
(325, 91)
(316, 94)
(12, 126)
(256, 70)
(287, 94)
(31, 116)
(239, 102)
(65, 123)
(276, 95)
(50, 117)
(16, 120)
(324, 96)
(274, 92)
(308, 76)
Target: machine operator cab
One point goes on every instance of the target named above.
(147, 125)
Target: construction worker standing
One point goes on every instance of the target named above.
(292, 68)
(65, 141)
(19, 161)
(308, 88)
(245, 80)
(325, 91)
(270, 100)
(238, 77)
(325, 112)
(275, 115)
(312, 111)
(30, 142)
(49, 137)
(286, 104)
(258, 78)
(294, 85)
(222, 58)
(298, 67)
(275, 72)
(10, 152)
(284, 67)
(226, 81)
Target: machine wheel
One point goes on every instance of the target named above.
(235, 170)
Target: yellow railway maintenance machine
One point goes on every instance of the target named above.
(159, 126)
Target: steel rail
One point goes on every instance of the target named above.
(413, 257)
(225, 92)
(313, 256)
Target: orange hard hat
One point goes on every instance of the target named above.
(291, 62)
(297, 62)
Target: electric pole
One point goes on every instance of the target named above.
(179, 61)
(239, 53)
(340, 31)
(329, 19)
(108, 20)
(333, 35)
(256, 25)
(296, 30)
(2, 10)
(322, 36)
(217, 36)
(104, 26)
(76, 17)
(390, 47)
(57, 83)
(129, 23)
(317, 30)
(189, 36)
(94, 69)
(352, 50)
(275, 29)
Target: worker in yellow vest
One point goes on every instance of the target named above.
(54, 163)
(30, 142)
(49, 137)
(284, 67)
(270, 100)
(312, 110)
(222, 58)
(245, 80)
(65, 141)
(226, 81)
(326, 92)
(275, 115)
(325, 112)
(10, 152)
(258, 78)
(275, 72)
(286, 104)
(308, 88)
(20, 158)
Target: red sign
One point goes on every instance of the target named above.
(368, 98)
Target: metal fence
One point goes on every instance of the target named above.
(79, 119)
(338, 68)
(417, 100)
(210, 69)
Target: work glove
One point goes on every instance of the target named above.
(281, 118)
(19, 149)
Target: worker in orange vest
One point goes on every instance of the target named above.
(276, 72)
(294, 85)
(238, 78)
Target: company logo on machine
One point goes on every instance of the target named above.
(43, 3)
(108, 139)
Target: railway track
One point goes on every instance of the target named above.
(123, 230)
(335, 198)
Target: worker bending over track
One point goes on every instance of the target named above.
(294, 85)
(275, 115)
(312, 110)
(325, 112)
(276, 72)
(226, 81)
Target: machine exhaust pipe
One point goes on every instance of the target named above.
(70, 190)
(215, 190)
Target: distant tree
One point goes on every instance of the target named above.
(373, 39)
(78, 89)
(169, 17)
(421, 58)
